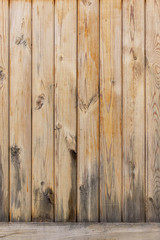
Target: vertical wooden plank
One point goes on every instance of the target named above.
(110, 110)
(153, 109)
(42, 110)
(20, 110)
(4, 110)
(133, 110)
(88, 110)
(65, 110)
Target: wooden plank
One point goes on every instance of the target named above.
(90, 231)
(110, 110)
(42, 110)
(65, 110)
(153, 109)
(20, 110)
(133, 111)
(88, 110)
(4, 196)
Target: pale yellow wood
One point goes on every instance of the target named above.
(20, 110)
(110, 110)
(65, 110)
(153, 109)
(42, 110)
(133, 111)
(4, 201)
(90, 231)
(88, 110)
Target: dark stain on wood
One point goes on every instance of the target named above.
(2, 77)
(15, 159)
(2, 199)
(21, 41)
(40, 101)
(134, 198)
(49, 196)
(72, 202)
(45, 199)
(84, 194)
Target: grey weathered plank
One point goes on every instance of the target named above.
(4, 110)
(90, 231)
(20, 110)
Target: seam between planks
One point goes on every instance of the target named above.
(122, 111)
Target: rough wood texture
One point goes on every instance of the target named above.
(20, 110)
(42, 110)
(110, 110)
(88, 110)
(4, 201)
(65, 110)
(85, 231)
(133, 111)
(153, 109)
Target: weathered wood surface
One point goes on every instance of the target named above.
(65, 110)
(88, 110)
(4, 180)
(42, 110)
(110, 110)
(133, 111)
(77, 231)
(20, 110)
(79, 110)
(153, 109)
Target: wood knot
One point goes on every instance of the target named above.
(87, 2)
(40, 101)
(61, 58)
(84, 107)
(21, 41)
(71, 145)
(58, 126)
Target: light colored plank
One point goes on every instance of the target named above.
(4, 201)
(65, 110)
(20, 110)
(133, 111)
(80, 231)
(88, 110)
(110, 110)
(42, 110)
(153, 109)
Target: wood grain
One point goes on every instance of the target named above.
(42, 110)
(77, 231)
(153, 109)
(88, 110)
(110, 110)
(133, 111)
(20, 111)
(4, 196)
(65, 110)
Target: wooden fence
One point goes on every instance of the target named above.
(80, 110)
